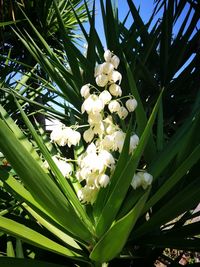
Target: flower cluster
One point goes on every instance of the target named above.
(104, 106)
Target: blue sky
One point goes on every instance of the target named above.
(145, 7)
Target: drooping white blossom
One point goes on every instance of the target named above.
(105, 97)
(107, 55)
(131, 104)
(88, 135)
(85, 90)
(122, 113)
(114, 106)
(115, 61)
(143, 179)
(115, 89)
(114, 76)
(101, 80)
(134, 140)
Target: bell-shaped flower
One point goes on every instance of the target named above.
(119, 137)
(98, 70)
(107, 67)
(134, 140)
(102, 80)
(103, 180)
(131, 104)
(115, 89)
(106, 157)
(107, 142)
(115, 61)
(85, 91)
(99, 128)
(88, 135)
(122, 113)
(114, 77)
(105, 97)
(136, 181)
(65, 168)
(87, 194)
(73, 138)
(147, 179)
(114, 106)
(57, 136)
(94, 118)
(107, 55)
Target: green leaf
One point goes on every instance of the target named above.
(63, 183)
(36, 210)
(10, 252)
(113, 241)
(39, 184)
(30, 236)
(175, 178)
(19, 134)
(189, 197)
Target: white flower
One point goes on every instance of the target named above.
(103, 180)
(99, 128)
(102, 80)
(114, 106)
(107, 142)
(74, 138)
(105, 97)
(136, 181)
(88, 135)
(122, 113)
(106, 157)
(87, 194)
(147, 180)
(57, 136)
(88, 104)
(94, 118)
(114, 77)
(92, 104)
(119, 137)
(143, 179)
(115, 61)
(98, 70)
(134, 140)
(115, 90)
(91, 148)
(107, 67)
(64, 167)
(85, 90)
(131, 104)
(107, 55)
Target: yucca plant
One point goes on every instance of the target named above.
(119, 222)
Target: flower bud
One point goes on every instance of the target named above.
(131, 104)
